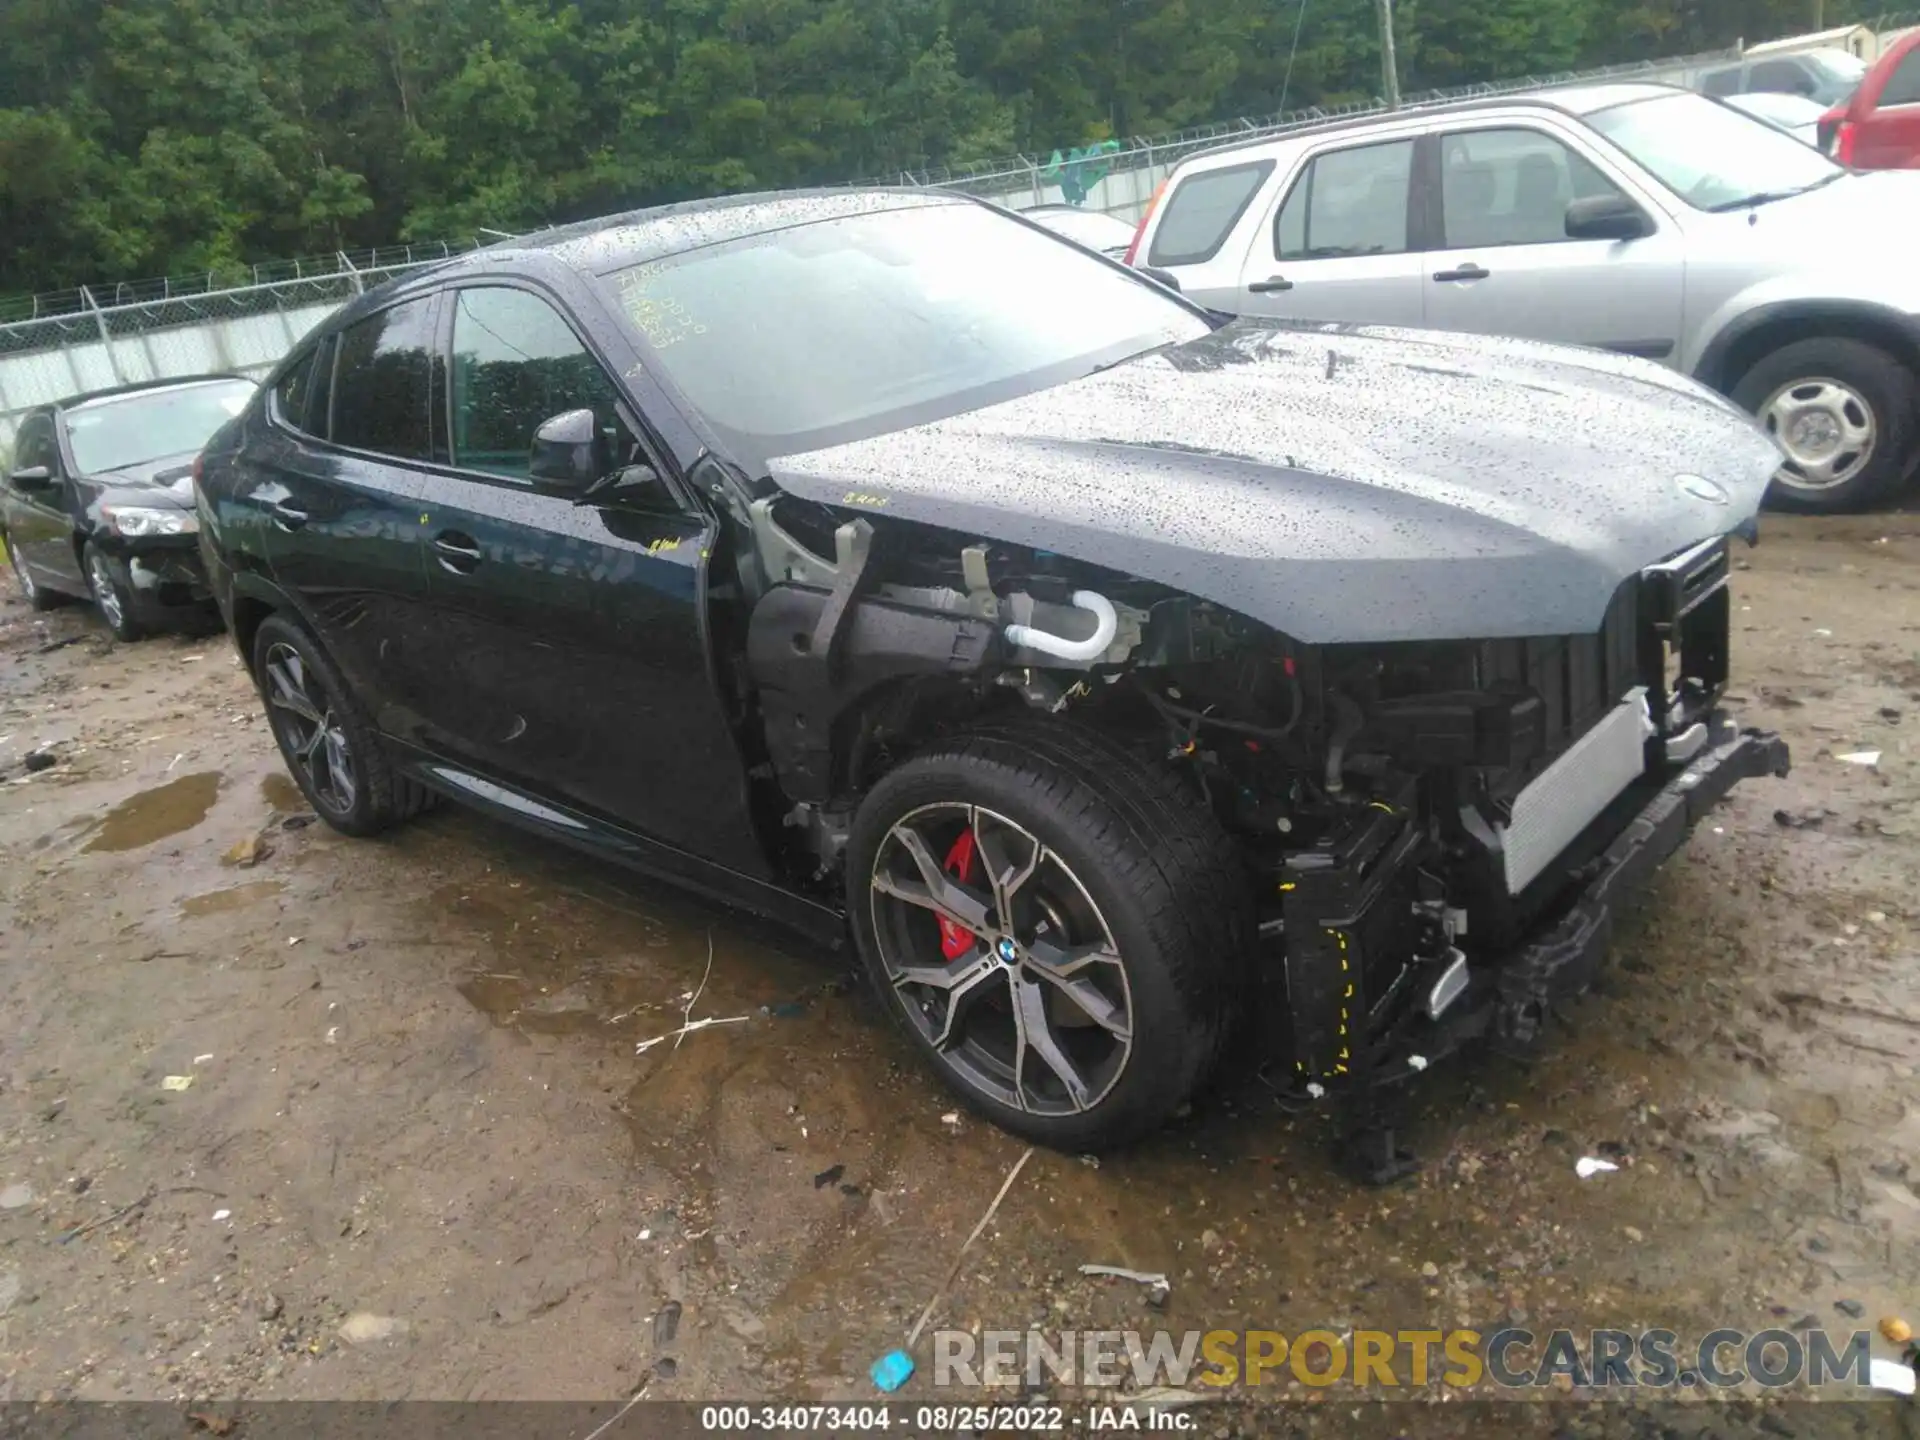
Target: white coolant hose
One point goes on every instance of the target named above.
(1091, 648)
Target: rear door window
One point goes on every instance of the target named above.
(1903, 85)
(1348, 203)
(382, 380)
(1197, 217)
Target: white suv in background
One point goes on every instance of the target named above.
(1636, 218)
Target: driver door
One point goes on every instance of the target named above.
(1506, 267)
(571, 649)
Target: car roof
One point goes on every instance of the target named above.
(139, 387)
(1567, 99)
(1776, 102)
(633, 237)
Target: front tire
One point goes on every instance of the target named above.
(111, 598)
(1844, 412)
(1060, 928)
(331, 748)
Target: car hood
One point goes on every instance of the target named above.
(1340, 484)
(167, 481)
(1868, 212)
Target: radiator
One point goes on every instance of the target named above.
(1564, 798)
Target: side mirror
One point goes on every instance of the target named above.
(1607, 217)
(569, 450)
(1165, 277)
(636, 487)
(33, 477)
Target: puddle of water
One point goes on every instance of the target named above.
(279, 791)
(216, 902)
(155, 814)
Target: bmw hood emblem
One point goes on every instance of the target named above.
(1702, 488)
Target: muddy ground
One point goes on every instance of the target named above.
(414, 1093)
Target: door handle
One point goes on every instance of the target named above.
(1468, 271)
(286, 516)
(457, 552)
(1269, 285)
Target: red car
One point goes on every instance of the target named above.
(1878, 127)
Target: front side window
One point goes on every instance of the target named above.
(835, 330)
(381, 382)
(1348, 203)
(175, 420)
(1197, 217)
(517, 363)
(1712, 156)
(35, 445)
(1511, 187)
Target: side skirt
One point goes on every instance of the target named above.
(819, 923)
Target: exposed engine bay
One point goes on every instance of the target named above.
(1410, 814)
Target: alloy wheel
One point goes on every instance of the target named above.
(311, 733)
(106, 594)
(1001, 960)
(1826, 429)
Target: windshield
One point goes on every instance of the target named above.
(1711, 155)
(151, 424)
(1838, 74)
(835, 330)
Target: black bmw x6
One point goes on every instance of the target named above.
(1121, 679)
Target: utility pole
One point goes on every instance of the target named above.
(1389, 66)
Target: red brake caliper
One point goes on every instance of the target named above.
(954, 940)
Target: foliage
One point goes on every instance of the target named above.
(146, 137)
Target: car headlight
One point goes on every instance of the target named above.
(135, 522)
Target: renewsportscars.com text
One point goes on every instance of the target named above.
(1509, 1359)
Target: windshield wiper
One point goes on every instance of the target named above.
(1767, 197)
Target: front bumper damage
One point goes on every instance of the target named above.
(162, 579)
(1503, 999)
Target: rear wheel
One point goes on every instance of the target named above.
(1843, 413)
(329, 744)
(1060, 929)
(110, 597)
(30, 591)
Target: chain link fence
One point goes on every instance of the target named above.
(61, 344)
(65, 342)
(1119, 178)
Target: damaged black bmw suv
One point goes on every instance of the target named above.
(1124, 679)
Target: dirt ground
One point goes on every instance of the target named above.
(414, 1095)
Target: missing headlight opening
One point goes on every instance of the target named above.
(1433, 831)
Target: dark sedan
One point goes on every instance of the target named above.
(99, 503)
(1121, 679)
